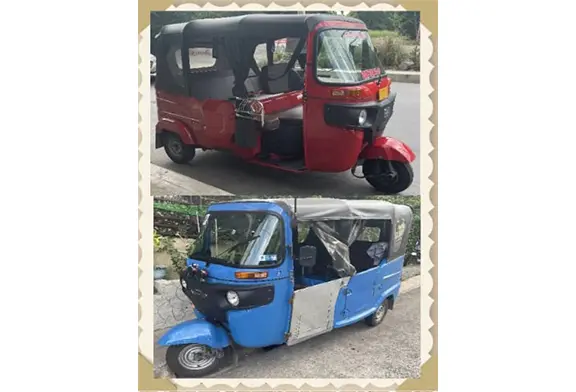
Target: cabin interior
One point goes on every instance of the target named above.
(282, 132)
(373, 234)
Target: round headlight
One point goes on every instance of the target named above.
(232, 298)
(362, 117)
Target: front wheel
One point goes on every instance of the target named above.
(378, 316)
(388, 177)
(175, 148)
(193, 360)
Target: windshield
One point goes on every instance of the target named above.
(346, 57)
(240, 239)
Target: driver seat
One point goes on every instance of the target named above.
(323, 259)
(275, 80)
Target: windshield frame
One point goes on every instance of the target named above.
(213, 260)
(314, 68)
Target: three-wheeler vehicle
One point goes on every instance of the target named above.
(294, 92)
(269, 272)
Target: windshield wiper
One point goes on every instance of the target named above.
(249, 239)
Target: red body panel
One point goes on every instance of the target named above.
(388, 149)
(176, 126)
(211, 123)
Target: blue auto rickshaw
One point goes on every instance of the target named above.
(269, 272)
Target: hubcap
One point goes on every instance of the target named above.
(385, 172)
(176, 147)
(197, 357)
(389, 173)
(380, 312)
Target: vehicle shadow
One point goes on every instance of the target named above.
(231, 174)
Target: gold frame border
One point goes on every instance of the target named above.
(429, 370)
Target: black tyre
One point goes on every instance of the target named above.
(389, 177)
(176, 150)
(193, 360)
(378, 316)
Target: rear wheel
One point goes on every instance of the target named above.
(193, 360)
(378, 316)
(175, 148)
(388, 177)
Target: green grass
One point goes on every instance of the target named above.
(179, 208)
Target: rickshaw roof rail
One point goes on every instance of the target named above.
(324, 209)
(266, 25)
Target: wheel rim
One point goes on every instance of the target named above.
(380, 312)
(387, 173)
(197, 357)
(175, 147)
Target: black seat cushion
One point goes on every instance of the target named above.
(359, 256)
(275, 80)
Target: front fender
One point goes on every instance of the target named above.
(169, 125)
(196, 331)
(388, 149)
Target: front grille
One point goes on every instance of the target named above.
(384, 116)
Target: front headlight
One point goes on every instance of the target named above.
(362, 117)
(183, 283)
(232, 298)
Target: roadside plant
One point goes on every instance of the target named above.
(415, 57)
(177, 257)
(391, 51)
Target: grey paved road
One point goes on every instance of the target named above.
(391, 350)
(223, 171)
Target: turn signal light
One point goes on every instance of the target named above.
(347, 93)
(251, 275)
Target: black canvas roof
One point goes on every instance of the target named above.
(267, 25)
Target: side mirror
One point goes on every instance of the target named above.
(307, 256)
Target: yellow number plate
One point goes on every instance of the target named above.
(383, 93)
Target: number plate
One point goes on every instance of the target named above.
(383, 93)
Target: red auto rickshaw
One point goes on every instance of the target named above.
(294, 92)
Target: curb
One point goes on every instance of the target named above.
(168, 182)
(404, 76)
(410, 284)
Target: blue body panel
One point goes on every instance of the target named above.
(196, 331)
(366, 291)
(264, 325)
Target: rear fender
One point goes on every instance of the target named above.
(179, 128)
(391, 294)
(197, 331)
(389, 149)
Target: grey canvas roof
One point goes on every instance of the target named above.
(318, 209)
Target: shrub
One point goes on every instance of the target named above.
(375, 34)
(391, 51)
(178, 257)
(415, 58)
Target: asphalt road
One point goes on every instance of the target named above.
(390, 350)
(226, 172)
